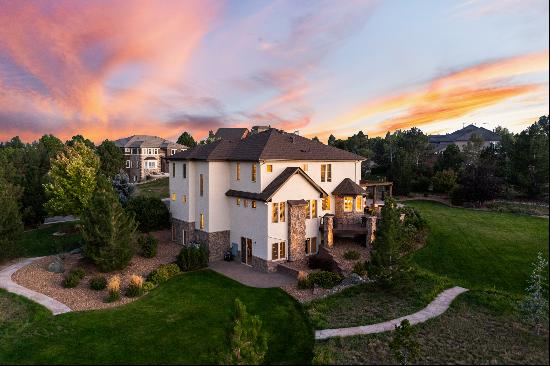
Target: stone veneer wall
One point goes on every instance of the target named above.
(328, 227)
(263, 265)
(371, 227)
(346, 218)
(296, 231)
(217, 242)
(181, 225)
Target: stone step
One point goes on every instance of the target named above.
(282, 268)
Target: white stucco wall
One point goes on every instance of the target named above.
(218, 202)
(245, 182)
(250, 223)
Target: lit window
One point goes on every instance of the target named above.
(150, 164)
(326, 203)
(274, 251)
(245, 203)
(201, 223)
(358, 203)
(304, 167)
(311, 246)
(323, 172)
(238, 201)
(238, 171)
(308, 215)
(184, 198)
(174, 196)
(275, 213)
(348, 204)
(269, 168)
(282, 250)
(282, 211)
(314, 209)
(201, 185)
(253, 204)
(253, 172)
(329, 172)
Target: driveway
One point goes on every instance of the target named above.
(249, 276)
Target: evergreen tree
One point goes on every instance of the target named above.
(248, 341)
(111, 159)
(385, 253)
(186, 139)
(403, 345)
(72, 180)
(108, 231)
(11, 225)
(122, 186)
(331, 140)
(535, 304)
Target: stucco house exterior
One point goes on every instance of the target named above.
(462, 136)
(146, 155)
(271, 197)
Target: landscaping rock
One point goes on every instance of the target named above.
(353, 279)
(56, 266)
(76, 251)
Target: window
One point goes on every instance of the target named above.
(253, 172)
(128, 163)
(275, 212)
(329, 172)
(174, 196)
(184, 171)
(282, 211)
(150, 164)
(238, 171)
(245, 203)
(184, 198)
(269, 168)
(311, 246)
(173, 151)
(326, 203)
(323, 172)
(173, 170)
(314, 209)
(253, 204)
(278, 250)
(358, 203)
(238, 201)
(201, 223)
(348, 204)
(308, 215)
(157, 151)
(135, 151)
(127, 150)
(304, 167)
(326, 172)
(201, 185)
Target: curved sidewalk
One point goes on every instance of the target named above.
(437, 307)
(6, 283)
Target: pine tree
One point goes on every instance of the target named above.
(386, 245)
(535, 304)
(248, 341)
(403, 345)
(11, 226)
(108, 231)
(122, 186)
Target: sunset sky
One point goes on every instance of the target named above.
(109, 69)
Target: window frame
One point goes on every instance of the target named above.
(201, 185)
(269, 168)
(201, 221)
(325, 205)
(253, 172)
(358, 203)
(253, 203)
(238, 201)
(275, 213)
(184, 171)
(282, 213)
(314, 212)
(348, 200)
(128, 164)
(238, 171)
(323, 172)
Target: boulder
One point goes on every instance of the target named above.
(56, 266)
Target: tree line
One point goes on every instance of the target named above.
(515, 168)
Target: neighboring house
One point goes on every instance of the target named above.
(231, 133)
(265, 196)
(146, 155)
(461, 138)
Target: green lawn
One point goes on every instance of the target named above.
(158, 188)
(41, 241)
(185, 321)
(490, 253)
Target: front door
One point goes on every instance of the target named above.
(249, 251)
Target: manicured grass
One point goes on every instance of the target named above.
(158, 188)
(186, 321)
(41, 241)
(479, 249)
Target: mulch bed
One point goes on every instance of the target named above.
(36, 277)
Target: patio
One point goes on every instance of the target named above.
(250, 277)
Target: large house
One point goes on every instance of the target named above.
(269, 197)
(462, 136)
(146, 155)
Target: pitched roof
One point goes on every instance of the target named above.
(465, 134)
(231, 133)
(348, 187)
(271, 144)
(216, 150)
(146, 141)
(275, 185)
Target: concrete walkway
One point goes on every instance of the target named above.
(58, 219)
(250, 277)
(437, 307)
(6, 283)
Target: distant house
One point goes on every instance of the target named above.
(462, 136)
(146, 155)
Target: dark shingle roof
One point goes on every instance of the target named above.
(217, 150)
(275, 185)
(272, 144)
(146, 141)
(465, 134)
(348, 187)
(231, 133)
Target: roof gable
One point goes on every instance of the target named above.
(465, 134)
(348, 187)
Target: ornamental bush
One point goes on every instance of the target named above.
(98, 283)
(151, 213)
(163, 273)
(324, 279)
(72, 279)
(135, 287)
(148, 245)
(193, 257)
(351, 255)
(113, 288)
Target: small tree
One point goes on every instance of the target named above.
(444, 181)
(11, 226)
(386, 245)
(248, 341)
(108, 231)
(150, 213)
(186, 139)
(535, 304)
(112, 160)
(72, 176)
(403, 345)
(122, 186)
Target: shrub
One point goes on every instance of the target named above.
(148, 286)
(248, 341)
(148, 245)
(324, 279)
(404, 346)
(135, 287)
(444, 181)
(303, 281)
(321, 262)
(163, 273)
(113, 287)
(72, 279)
(360, 268)
(98, 283)
(351, 255)
(192, 258)
(151, 213)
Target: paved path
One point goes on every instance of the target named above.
(250, 277)
(57, 219)
(437, 307)
(6, 283)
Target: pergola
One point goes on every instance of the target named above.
(374, 185)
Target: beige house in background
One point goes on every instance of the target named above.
(146, 155)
